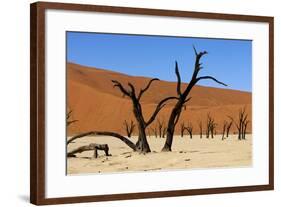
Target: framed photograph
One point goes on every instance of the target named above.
(130, 103)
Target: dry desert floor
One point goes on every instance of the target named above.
(187, 154)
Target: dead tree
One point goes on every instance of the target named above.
(225, 124)
(164, 132)
(189, 129)
(200, 129)
(142, 144)
(207, 129)
(155, 131)
(160, 127)
(129, 127)
(69, 121)
(211, 126)
(245, 128)
(182, 129)
(90, 147)
(242, 123)
(213, 130)
(183, 97)
(229, 124)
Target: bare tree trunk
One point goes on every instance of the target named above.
(164, 132)
(171, 127)
(92, 146)
(142, 144)
(228, 128)
(182, 129)
(245, 129)
(242, 119)
(223, 130)
(211, 125)
(155, 132)
(129, 127)
(189, 128)
(183, 97)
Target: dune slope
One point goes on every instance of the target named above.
(99, 106)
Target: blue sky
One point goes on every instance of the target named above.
(230, 61)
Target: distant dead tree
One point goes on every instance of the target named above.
(225, 124)
(182, 128)
(183, 97)
(129, 127)
(189, 129)
(211, 126)
(160, 127)
(69, 121)
(200, 129)
(228, 127)
(155, 131)
(164, 132)
(242, 123)
(130, 92)
(213, 130)
(245, 129)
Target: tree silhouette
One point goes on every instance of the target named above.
(129, 127)
(142, 144)
(70, 121)
(160, 127)
(224, 129)
(229, 124)
(242, 123)
(189, 129)
(211, 126)
(182, 128)
(183, 97)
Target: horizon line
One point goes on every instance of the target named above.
(148, 77)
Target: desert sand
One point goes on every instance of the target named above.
(187, 153)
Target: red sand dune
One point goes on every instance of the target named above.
(99, 106)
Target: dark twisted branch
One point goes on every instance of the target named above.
(158, 108)
(121, 88)
(71, 122)
(210, 77)
(102, 133)
(179, 79)
(68, 116)
(146, 88)
(133, 91)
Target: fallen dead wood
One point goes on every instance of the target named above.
(92, 146)
(101, 133)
